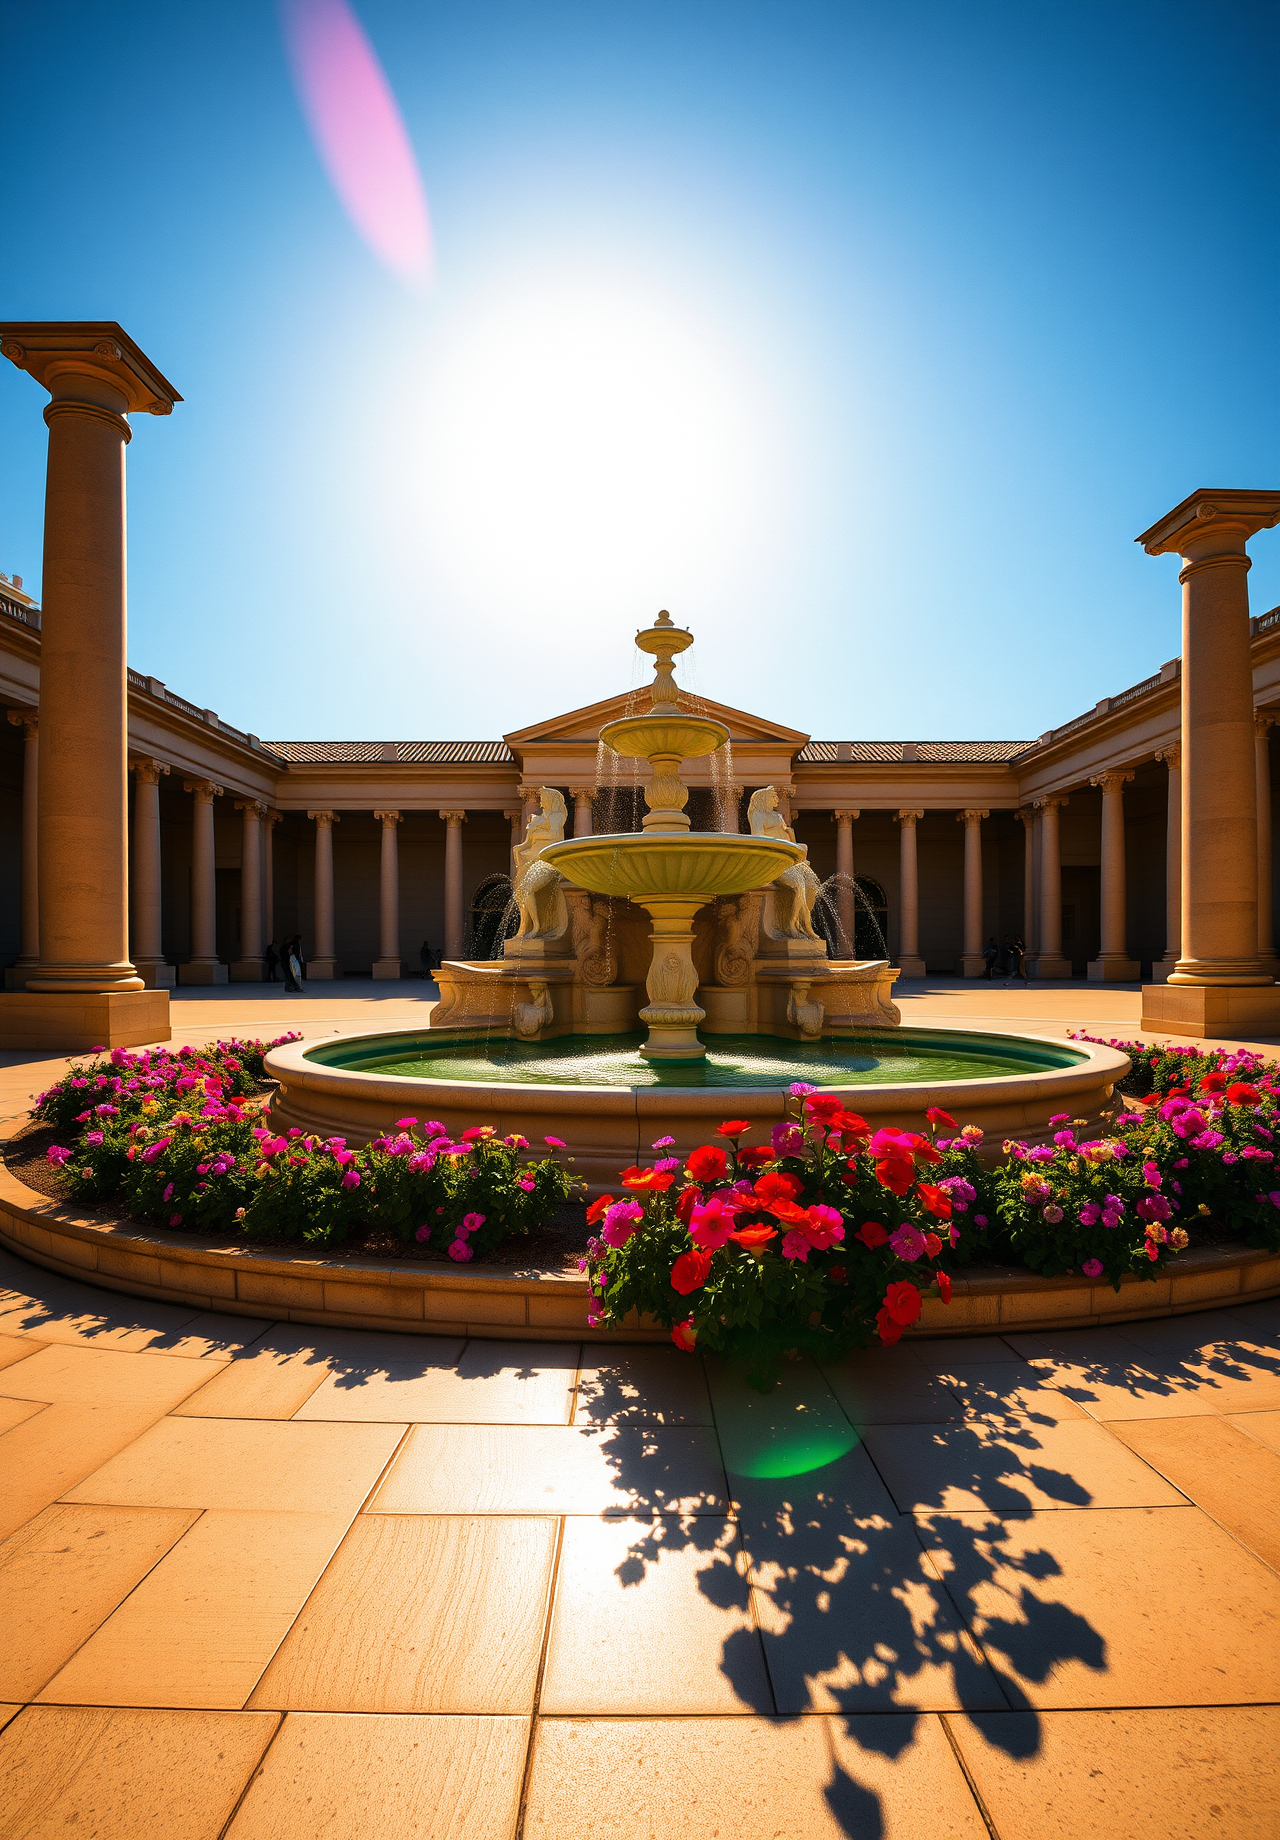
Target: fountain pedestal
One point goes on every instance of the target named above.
(671, 1013)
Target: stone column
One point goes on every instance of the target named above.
(909, 960)
(1263, 721)
(1037, 860)
(972, 964)
(269, 822)
(1220, 986)
(516, 820)
(15, 978)
(582, 797)
(1172, 758)
(203, 967)
(455, 931)
(324, 964)
(846, 886)
(388, 963)
(248, 968)
(1028, 821)
(1049, 960)
(146, 948)
(1113, 964)
(96, 377)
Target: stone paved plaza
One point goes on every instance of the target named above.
(264, 1580)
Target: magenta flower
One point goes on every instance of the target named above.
(422, 1235)
(57, 1155)
(787, 1140)
(93, 1137)
(1092, 1268)
(525, 1183)
(556, 1143)
(796, 1246)
(471, 1223)
(351, 1179)
(620, 1222)
(460, 1250)
(405, 1124)
(662, 1143)
(908, 1242)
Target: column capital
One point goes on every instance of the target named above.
(1263, 720)
(454, 818)
(1052, 801)
(254, 805)
(149, 770)
(202, 788)
(60, 354)
(271, 816)
(844, 814)
(1213, 524)
(582, 792)
(28, 720)
(908, 817)
(1113, 780)
(515, 812)
(324, 819)
(387, 818)
(971, 817)
(1026, 815)
(1171, 756)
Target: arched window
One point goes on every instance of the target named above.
(494, 917)
(871, 922)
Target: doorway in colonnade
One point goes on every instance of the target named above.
(871, 920)
(494, 917)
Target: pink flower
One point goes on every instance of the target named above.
(620, 1222)
(663, 1143)
(711, 1223)
(93, 1138)
(404, 1124)
(796, 1246)
(422, 1235)
(556, 1143)
(908, 1241)
(524, 1183)
(1092, 1268)
(471, 1223)
(168, 1193)
(351, 1179)
(57, 1155)
(460, 1250)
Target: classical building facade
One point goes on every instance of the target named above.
(368, 849)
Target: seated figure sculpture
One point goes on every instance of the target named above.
(794, 892)
(538, 888)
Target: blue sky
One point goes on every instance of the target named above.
(865, 338)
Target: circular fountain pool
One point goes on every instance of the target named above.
(608, 1103)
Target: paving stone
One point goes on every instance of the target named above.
(17, 1412)
(63, 1574)
(958, 1468)
(17, 1348)
(1265, 1426)
(417, 1613)
(103, 1376)
(1223, 1470)
(54, 1449)
(1137, 1775)
(225, 1463)
(893, 1777)
(641, 1385)
(946, 1354)
(353, 1776)
(1114, 1607)
(200, 1628)
(502, 1383)
(108, 1774)
(555, 1469)
(631, 1597)
(56, 1309)
(1005, 1391)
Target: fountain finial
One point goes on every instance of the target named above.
(664, 639)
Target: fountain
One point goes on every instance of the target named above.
(742, 994)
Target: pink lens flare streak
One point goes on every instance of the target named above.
(359, 133)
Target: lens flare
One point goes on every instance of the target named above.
(359, 134)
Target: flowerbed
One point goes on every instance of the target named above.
(830, 1236)
(180, 1139)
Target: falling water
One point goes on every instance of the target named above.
(828, 920)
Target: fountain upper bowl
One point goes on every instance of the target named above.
(679, 865)
(674, 734)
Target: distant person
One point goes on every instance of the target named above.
(990, 953)
(1017, 963)
(294, 966)
(428, 957)
(272, 957)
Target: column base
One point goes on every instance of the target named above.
(973, 964)
(910, 964)
(1047, 966)
(203, 971)
(156, 974)
(73, 1021)
(388, 968)
(1113, 968)
(1211, 1012)
(322, 968)
(248, 971)
(1162, 967)
(15, 976)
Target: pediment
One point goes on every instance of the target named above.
(584, 725)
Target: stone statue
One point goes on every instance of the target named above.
(797, 888)
(530, 1018)
(590, 923)
(538, 892)
(737, 933)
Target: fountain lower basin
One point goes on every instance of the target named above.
(358, 1086)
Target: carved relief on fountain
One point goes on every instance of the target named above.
(591, 930)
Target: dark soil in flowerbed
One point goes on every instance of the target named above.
(555, 1247)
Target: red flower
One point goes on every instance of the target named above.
(902, 1301)
(784, 1209)
(689, 1199)
(822, 1107)
(850, 1124)
(684, 1335)
(1243, 1094)
(897, 1173)
(689, 1273)
(932, 1245)
(890, 1331)
(754, 1236)
(872, 1234)
(935, 1201)
(596, 1212)
(707, 1164)
(936, 1115)
(733, 1127)
(944, 1286)
(477, 1133)
(776, 1185)
(756, 1158)
(838, 1274)
(1212, 1082)
(648, 1181)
